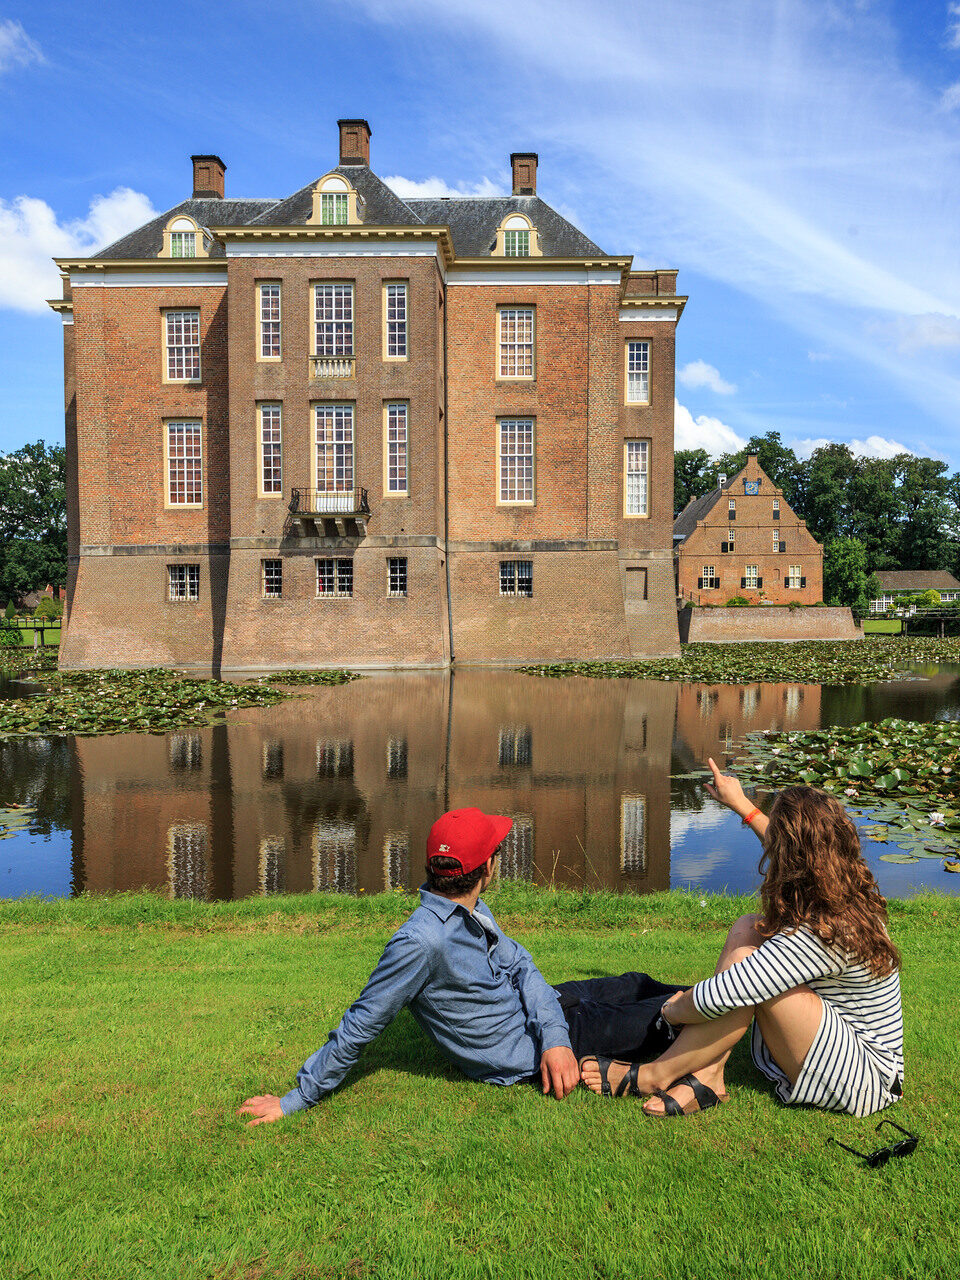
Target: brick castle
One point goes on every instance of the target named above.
(343, 428)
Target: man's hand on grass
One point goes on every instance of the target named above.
(265, 1108)
(559, 1071)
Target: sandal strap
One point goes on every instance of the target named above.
(705, 1096)
(627, 1088)
(671, 1107)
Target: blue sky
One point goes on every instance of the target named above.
(797, 160)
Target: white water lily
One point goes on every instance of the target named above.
(851, 791)
(937, 820)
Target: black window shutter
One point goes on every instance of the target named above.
(783, 546)
(743, 582)
(803, 582)
(759, 582)
(776, 515)
(731, 515)
(700, 584)
(724, 546)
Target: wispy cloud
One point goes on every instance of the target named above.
(917, 333)
(703, 432)
(700, 374)
(16, 47)
(436, 188)
(819, 357)
(31, 235)
(872, 447)
(950, 98)
(953, 25)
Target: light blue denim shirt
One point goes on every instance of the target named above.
(475, 992)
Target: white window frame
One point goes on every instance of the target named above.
(516, 462)
(183, 244)
(333, 319)
(516, 344)
(270, 567)
(269, 321)
(776, 542)
(270, 422)
(183, 583)
(396, 449)
(636, 479)
(794, 576)
(731, 535)
(710, 571)
(731, 506)
(516, 579)
(181, 467)
(398, 582)
(334, 208)
(636, 360)
(180, 327)
(340, 575)
(751, 576)
(334, 456)
(516, 242)
(396, 295)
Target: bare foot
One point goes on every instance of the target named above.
(684, 1096)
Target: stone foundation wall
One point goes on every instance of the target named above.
(770, 622)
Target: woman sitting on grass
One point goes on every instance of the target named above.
(816, 971)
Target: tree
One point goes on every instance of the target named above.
(924, 491)
(48, 608)
(830, 474)
(693, 476)
(845, 577)
(33, 519)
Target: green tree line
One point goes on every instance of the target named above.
(870, 513)
(33, 520)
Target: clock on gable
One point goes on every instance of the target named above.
(751, 486)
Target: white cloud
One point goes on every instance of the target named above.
(700, 374)
(871, 447)
(16, 47)
(30, 236)
(917, 333)
(436, 188)
(953, 26)
(703, 432)
(950, 98)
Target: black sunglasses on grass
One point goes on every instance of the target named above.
(905, 1147)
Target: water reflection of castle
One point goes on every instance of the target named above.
(337, 791)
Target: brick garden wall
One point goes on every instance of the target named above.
(771, 622)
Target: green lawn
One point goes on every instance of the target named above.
(882, 626)
(51, 636)
(133, 1027)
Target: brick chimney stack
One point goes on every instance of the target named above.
(524, 166)
(208, 174)
(354, 142)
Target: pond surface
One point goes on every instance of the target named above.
(337, 790)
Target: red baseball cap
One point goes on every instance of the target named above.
(468, 835)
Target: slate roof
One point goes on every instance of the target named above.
(697, 508)
(147, 241)
(380, 208)
(917, 580)
(473, 222)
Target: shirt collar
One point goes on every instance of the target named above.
(443, 908)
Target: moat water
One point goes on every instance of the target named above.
(336, 790)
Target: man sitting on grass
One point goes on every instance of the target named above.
(477, 993)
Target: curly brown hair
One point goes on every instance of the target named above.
(815, 875)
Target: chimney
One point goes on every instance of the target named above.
(354, 142)
(723, 479)
(524, 166)
(208, 174)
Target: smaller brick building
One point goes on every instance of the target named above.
(743, 539)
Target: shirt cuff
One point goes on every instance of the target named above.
(293, 1101)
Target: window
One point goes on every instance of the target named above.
(708, 701)
(186, 751)
(187, 860)
(396, 860)
(184, 465)
(334, 428)
(269, 321)
(334, 577)
(749, 701)
(335, 856)
(396, 575)
(633, 835)
(271, 459)
(776, 541)
(395, 321)
(335, 758)
(334, 208)
(183, 244)
(182, 329)
(273, 853)
(516, 460)
(516, 851)
(271, 574)
(636, 477)
(515, 747)
(397, 758)
(333, 319)
(183, 581)
(516, 244)
(732, 508)
(396, 449)
(751, 576)
(709, 581)
(776, 508)
(516, 578)
(794, 576)
(271, 759)
(638, 372)
(516, 342)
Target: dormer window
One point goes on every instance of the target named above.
(517, 238)
(334, 202)
(183, 238)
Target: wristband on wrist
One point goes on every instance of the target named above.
(750, 817)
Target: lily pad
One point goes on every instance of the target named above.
(900, 858)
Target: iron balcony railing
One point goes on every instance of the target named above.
(329, 502)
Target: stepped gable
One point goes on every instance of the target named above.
(381, 207)
(698, 508)
(147, 241)
(473, 222)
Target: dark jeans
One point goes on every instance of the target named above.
(616, 1016)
